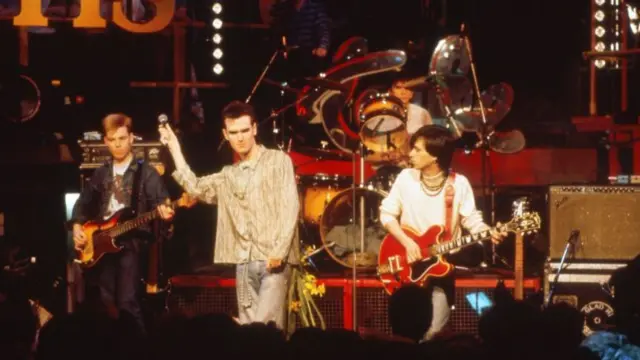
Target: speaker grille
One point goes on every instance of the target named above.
(606, 217)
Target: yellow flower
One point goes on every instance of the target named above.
(294, 306)
(309, 278)
(309, 249)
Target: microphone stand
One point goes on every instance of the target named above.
(483, 144)
(570, 243)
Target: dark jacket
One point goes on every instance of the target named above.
(94, 199)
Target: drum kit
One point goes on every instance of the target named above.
(342, 186)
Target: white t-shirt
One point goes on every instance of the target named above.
(413, 208)
(417, 117)
(118, 195)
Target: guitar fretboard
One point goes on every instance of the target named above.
(448, 246)
(137, 222)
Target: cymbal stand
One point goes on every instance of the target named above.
(483, 144)
(361, 220)
(264, 72)
(276, 113)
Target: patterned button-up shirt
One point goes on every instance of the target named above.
(258, 207)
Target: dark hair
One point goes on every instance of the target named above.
(236, 109)
(438, 142)
(410, 311)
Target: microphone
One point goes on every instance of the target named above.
(163, 119)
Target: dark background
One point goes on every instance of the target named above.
(533, 45)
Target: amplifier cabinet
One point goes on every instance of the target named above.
(207, 294)
(607, 218)
(95, 154)
(584, 286)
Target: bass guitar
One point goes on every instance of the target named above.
(103, 236)
(394, 270)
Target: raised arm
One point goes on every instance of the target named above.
(203, 188)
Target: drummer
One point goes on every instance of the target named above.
(417, 116)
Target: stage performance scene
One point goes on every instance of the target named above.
(319, 179)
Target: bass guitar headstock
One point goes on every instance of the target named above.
(186, 201)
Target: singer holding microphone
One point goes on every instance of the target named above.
(258, 210)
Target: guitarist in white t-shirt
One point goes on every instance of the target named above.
(417, 201)
(112, 187)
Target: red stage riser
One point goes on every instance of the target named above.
(205, 294)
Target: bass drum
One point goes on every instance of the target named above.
(317, 191)
(340, 227)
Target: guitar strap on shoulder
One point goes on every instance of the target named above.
(136, 189)
(449, 194)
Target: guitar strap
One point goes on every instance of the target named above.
(449, 194)
(136, 189)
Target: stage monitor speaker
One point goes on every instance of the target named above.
(607, 218)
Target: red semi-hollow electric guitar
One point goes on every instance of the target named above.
(394, 270)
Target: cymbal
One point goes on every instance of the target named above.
(450, 57)
(507, 142)
(470, 120)
(497, 101)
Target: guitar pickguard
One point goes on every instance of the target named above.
(420, 268)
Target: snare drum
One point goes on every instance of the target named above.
(383, 122)
(317, 191)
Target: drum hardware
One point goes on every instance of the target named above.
(486, 170)
(284, 87)
(327, 84)
(274, 114)
(453, 59)
(280, 50)
(20, 98)
(382, 121)
(307, 257)
(487, 133)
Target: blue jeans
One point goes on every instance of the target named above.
(261, 294)
(441, 312)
